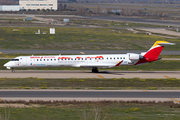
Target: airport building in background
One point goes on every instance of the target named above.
(38, 4)
(9, 7)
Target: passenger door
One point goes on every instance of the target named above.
(24, 61)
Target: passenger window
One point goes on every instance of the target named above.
(90, 58)
(71, 58)
(121, 57)
(44, 59)
(85, 58)
(124, 58)
(110, 58)
(114, 58)
(40, 59)
(107, 58)
(75, 58)
(117, 57)
(37, 59)
(54, 59)
(51, 59)
(47, 59)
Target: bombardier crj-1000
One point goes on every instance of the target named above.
(89, 61)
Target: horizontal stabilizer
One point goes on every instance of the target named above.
(166, 44)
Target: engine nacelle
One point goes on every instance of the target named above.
(133, 56)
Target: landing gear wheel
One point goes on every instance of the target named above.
(95, 70)
(13, 70)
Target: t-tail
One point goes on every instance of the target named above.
(153, 53)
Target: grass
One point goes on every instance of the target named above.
(170, 56)
(90, 83)
(8, 56)
(111, 110)
(162, 65)
(78, 38)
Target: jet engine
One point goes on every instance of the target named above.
(133, 56)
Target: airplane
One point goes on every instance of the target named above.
(89, 61)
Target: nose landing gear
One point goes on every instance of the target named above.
(95, 70)
(13, 70)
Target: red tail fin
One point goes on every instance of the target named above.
(153, 53)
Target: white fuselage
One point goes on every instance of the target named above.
(89, 61)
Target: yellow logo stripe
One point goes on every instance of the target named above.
(158, 42)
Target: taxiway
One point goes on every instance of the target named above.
(88, 74)
(85, 95)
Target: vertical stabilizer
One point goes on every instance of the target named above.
(153, 53)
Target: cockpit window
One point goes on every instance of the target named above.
(15, 60)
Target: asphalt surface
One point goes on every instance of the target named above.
(133, 6)
(86, 95)
(137, 20)
(88, 74)
(92, 94)
(29, 51)
(116, 18)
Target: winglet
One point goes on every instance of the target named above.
(119, 63)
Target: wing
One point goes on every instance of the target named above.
(101, 65)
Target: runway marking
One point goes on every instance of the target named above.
(82, 52)
(175, 100)
(145, 90)
(100, 76)
(1, 99)
(166, 76)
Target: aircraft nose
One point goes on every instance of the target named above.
(6, 64)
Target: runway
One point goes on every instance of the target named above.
(89, 95)
(137, 20)
(88, 74)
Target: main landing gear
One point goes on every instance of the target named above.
(95, 70)
(13, 70)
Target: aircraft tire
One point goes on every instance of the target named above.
(95, 71)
